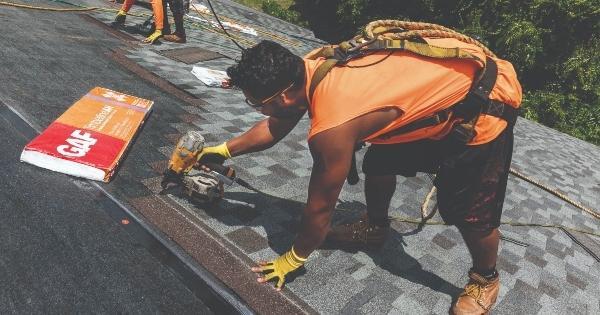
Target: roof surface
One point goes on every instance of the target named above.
(418, 270)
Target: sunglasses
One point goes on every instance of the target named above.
(258, 104)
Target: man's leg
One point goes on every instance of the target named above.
(159, 14)
(157, 9)
(483, 247)
(378, 194)
(166, 26)
(127, 5)
(122, 14)
(483, 287)
(372, 229)
(178, 11)
(471, 195)
(381, 164)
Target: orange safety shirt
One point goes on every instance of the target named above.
(418, 86)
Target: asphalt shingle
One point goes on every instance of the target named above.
(418, 271)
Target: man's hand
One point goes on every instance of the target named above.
(279, 267)
(153, 37)
(217, 154)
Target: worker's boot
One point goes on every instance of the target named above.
(179, 35)
(479, 295)
(174, 38)
(119, 19)
(359, 234)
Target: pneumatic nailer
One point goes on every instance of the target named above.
(197, 183)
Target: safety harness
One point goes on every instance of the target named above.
(393, 35)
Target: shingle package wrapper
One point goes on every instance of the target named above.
(90, 138)
(211, 77)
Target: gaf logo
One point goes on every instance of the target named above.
(79, 144)
(115, 96)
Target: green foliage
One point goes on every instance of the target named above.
(275, 9)
(553, 44)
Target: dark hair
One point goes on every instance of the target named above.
(265, 69)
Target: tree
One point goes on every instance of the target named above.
(553, 44)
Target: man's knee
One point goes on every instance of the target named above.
(475, 230)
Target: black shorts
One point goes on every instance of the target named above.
(471, 180)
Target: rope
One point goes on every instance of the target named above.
(258, 30)
(425, 205)
(555, 192)
(424, 215)
(25, 6)
(556, 226)
(396, 29)
(221, 25)
(255, 27)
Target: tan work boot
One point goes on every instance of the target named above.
(358, 234)
(174, 38)
(478, 297)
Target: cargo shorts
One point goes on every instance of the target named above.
(470, 180)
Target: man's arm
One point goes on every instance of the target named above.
(332, 153)
(262, 135)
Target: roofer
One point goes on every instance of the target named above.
(157, 11)
(411, 108)
(178, 8)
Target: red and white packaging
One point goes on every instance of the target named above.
(90, 138)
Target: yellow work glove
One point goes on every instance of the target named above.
(153, 37)
(280, 267)
(217, 154)
(120, 18)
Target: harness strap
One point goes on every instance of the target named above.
(351, 49)
(475, 103)
(471, 107)
(419, 48)
(319, 74)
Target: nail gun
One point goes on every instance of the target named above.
(183, 158)
(203, 183)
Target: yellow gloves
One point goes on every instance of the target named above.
(280, 267)
(217, 154)
(153, 37)
(119, 19)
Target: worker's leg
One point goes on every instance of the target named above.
(178, 11)
(159, 14)
(378, 194)
(482, 289)
(157, 9)
(122, 14)
(166, 26)
(471, 189)
(381, 164)
(127, 5)
(483, 247)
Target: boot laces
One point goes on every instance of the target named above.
(361, 229)
(476, 290)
